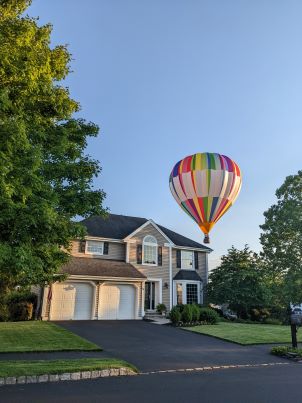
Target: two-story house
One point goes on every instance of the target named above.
(123, 268)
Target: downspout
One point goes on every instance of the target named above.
(207, 268)
(170, 277)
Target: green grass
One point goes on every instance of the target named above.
(246, 333)
(40, 367)
(40, 336)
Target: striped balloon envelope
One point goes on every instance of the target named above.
(205, 185)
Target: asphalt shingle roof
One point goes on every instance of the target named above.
(101, 267)
(187, 275)
(119, 226)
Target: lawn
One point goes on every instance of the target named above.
(246, 333)
(41, 367)
(39, 336)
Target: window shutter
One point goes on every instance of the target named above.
(139, 254)
(106, 248)
(178, 258)
(82, 246)
(196, 260)
(160, 256)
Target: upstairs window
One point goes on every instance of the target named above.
(95, 247)
(150, 250)
(187, 260)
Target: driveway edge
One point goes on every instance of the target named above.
(66, 376)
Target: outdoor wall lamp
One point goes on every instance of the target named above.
(166, 285)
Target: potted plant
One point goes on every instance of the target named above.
(161, 309)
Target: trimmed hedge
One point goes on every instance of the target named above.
(208, 315)
(187, 314)
(190, 315)
(175, 315)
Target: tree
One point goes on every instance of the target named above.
(282, 240)
(45, 176)
(239, 282)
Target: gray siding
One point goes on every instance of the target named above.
(160, 272)
(116, 251)
(202, 268)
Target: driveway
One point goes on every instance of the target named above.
(153, 347)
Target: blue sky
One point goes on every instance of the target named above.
(167, 78)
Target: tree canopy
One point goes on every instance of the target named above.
(46, 179)
(239, 281)
(281, 240)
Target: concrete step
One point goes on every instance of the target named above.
(153, 315)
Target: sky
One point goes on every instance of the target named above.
(168, 78)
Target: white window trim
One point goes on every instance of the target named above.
(184, 290)
(193, 260)
(87, 252)
(143, 251)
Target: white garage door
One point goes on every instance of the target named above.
(71, 301)
(117, 301)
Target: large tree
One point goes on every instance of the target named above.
(282, 240)
(240, 282)
(45, 175)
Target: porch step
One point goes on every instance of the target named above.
(153, 315)
(156, 318)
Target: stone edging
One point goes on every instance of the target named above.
(67, 376)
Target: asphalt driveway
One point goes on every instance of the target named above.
(153, 347)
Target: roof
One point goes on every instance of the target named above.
(187, 275)
(83, 266)
(119, 226)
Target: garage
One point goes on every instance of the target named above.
(117, 301)
(71, 301)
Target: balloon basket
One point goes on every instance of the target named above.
(206, 239)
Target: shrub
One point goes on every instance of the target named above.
(160, 308)
(21, 311)
(175, 315)
(21, 305)
(283, 350)
(259, 314)
(180, 307)
(21, 296)
(208, 315)
(195, 313)
(187, 314)
(4, 313)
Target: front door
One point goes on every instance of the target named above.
(150, 296)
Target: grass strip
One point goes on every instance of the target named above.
(35, 336)
(41, 367)
(245, 334)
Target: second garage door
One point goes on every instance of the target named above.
(117, 301)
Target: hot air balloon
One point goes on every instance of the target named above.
(205, 185)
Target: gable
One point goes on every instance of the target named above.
(149, 229)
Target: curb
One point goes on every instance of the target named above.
(66, 376)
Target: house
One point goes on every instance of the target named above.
(123, 268)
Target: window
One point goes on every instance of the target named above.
(95, 247)
(192, 294)
(187, 260)
(150, 250)
(179, 293)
